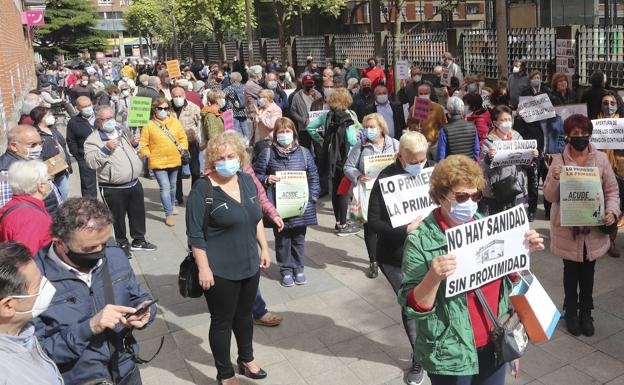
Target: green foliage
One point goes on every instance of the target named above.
(285, 10)
(69, 28)
(146, 17)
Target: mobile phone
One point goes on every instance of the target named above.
(142, 310)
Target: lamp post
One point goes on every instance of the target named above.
(168, 10)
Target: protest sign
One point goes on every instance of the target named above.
(513, 152)
(406, 196)
(446, 77)
(422, 108)
(402, 69)
(565, 111)
(313, 115)
(442, 95)
(228, 120)
(173, 68)
(291, 193)
(487, 249)
(580, 196)
(535, 108)
(565, 56)
(486, 99)
(139, 111)
(608, 134)
(373, 164)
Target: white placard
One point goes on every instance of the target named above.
(565, 56)
(608, 134)
(313, 115)
(570, 109)
(513, 152)
(535, 108)
(488, 249)
(406, 197)
(402, 69)
(446, 77)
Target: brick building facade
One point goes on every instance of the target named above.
(17, 67)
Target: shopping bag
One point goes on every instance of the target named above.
(536, 310)
(358, 208)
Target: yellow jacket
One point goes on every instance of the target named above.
(128, 70)
(156, 145)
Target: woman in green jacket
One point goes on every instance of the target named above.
(452, 334)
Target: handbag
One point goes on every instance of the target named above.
(185, 156)
(505, 190)
(508, 335)
(57, 164)
(188, 276)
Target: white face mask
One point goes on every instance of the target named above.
(84, 83)
(178, 101)
(34, 153)
(505, 126)
(44, 298)
(49, 120)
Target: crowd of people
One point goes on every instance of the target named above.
(69, 299)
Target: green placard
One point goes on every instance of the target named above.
(139, 113)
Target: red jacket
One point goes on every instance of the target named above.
(482, 121)
(375, 75)
(26, 224)
(194, 97)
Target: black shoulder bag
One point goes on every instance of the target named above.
(188, 277)
(185, 156)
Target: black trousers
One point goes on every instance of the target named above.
(394, 275)
(122, 202)
(88, 180)
(538, 170)
(195, 171)
(370, 239)
(231, 304)
(340, 203)
(578, 286)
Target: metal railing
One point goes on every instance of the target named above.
(309, 46)
(425, 49)
(601, 48)
(357, 47)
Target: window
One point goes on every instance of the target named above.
(456, 12)
(105, 2)
(473, 9)
(420, 10)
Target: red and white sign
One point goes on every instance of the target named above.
(33, 18)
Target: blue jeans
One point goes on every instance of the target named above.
(167, 182)
(62, 184)
(259, 306)
(241, 126)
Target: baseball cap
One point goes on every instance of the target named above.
(307, 79)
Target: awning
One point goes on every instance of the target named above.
(110, 25)
(127, 41)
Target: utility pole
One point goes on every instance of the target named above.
(250, 52)
(501, 37)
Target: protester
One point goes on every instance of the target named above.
(352, 71)
(226, 254)
(24, 294)
(375, 74)
(79, 128)
(364, 98)
(30, 101)
(24, 218)
(252, 89)
(455, 185)
(561, 93)
(377, 141)
(212, 120)
(54, 145)
(266, 112)
(81, 264)
(452, 67)
(285, 154)
(391, 112)
(161, 141)
(580, 246)
(430, 127)
(235, 101)
(593, 96)
(81, 89)
(477, 114)
(327, 89)
(535, 87)
(459, 136)
(300, 106)
(280, 97)
(518, 81)
(408, 93)
(152, 90)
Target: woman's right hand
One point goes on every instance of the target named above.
(206, 279)
(443, 266)
(272, 179)
(556, 171)
(491, 153)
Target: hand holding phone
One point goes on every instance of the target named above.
(141, 311)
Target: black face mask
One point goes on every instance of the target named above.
(371, 65)
(579, 143)
(308, 87)
(366, 90)
(282, 78)
(85, 260)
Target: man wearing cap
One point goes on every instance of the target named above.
(301, 105)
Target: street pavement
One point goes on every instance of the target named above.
(343, 328)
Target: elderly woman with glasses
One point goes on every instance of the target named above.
(455, 349)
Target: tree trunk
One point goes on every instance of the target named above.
(396, 52)
(281, 27)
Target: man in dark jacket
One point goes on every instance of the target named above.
(84, 332)
(152, 90)
(363, 99)
(593, 96)
(392, 112)
(459, 136)
(410, 91)
(81, 89)
(78, 130)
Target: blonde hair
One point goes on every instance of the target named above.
(380, 121)
(267, 94)
(214, 95)
(413, 141)
(340, 99)
(224, 139)
(454, 171)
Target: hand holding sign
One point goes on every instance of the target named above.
(443, 266)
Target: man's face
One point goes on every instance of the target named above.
(270, 76)
(85, 241)
(178, 93)
(103, 116)
(32, 276)
(82, 104)
(28, 139)
(381, 91)
(437, 73)
(423, 91)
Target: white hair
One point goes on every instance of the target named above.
(25, 176)
(236, 77)
(414, 142)
(254, 71)
(455, 106)
(351, 83)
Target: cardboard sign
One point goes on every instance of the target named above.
(139, 111)
(228, 120)
(422, 108)
(374, 164)
(565, 111)
(608, 134)
(402, 69)
(173, 68)
(581, 197)
(535, 108)
(406, 197)
(488, 249)
(513, 152)
(446, 77)
(291, 193)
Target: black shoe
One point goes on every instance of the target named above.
(126, 248)
(573, 325)
(587, 325)
(531, 217)
(186, 176)
(244, 370)
(373, 270)
(142, 245)
(415, 375)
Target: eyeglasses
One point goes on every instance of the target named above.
(162, 108)
(461, 197)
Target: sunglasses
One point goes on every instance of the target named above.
(461, 197)
(605, 103)
(162, 108)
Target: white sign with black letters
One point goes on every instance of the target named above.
(406, 197)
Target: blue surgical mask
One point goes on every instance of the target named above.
(221, 103)
(536, 82)
(88, 112)
(162, 114)
(472, 87)
(261, 102)
(372, 133)
(285, 138)
(272, 84)
(227, 168)
(382, 99)
(463, 212)
(109, 126)
(415, 169)
(426, 96)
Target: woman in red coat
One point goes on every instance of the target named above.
(477, 114)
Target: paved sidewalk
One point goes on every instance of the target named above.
(343, 328)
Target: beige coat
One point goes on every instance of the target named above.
(190, 117)
(562, 242)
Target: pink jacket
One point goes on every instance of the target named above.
(264, 122)
(562, 243)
